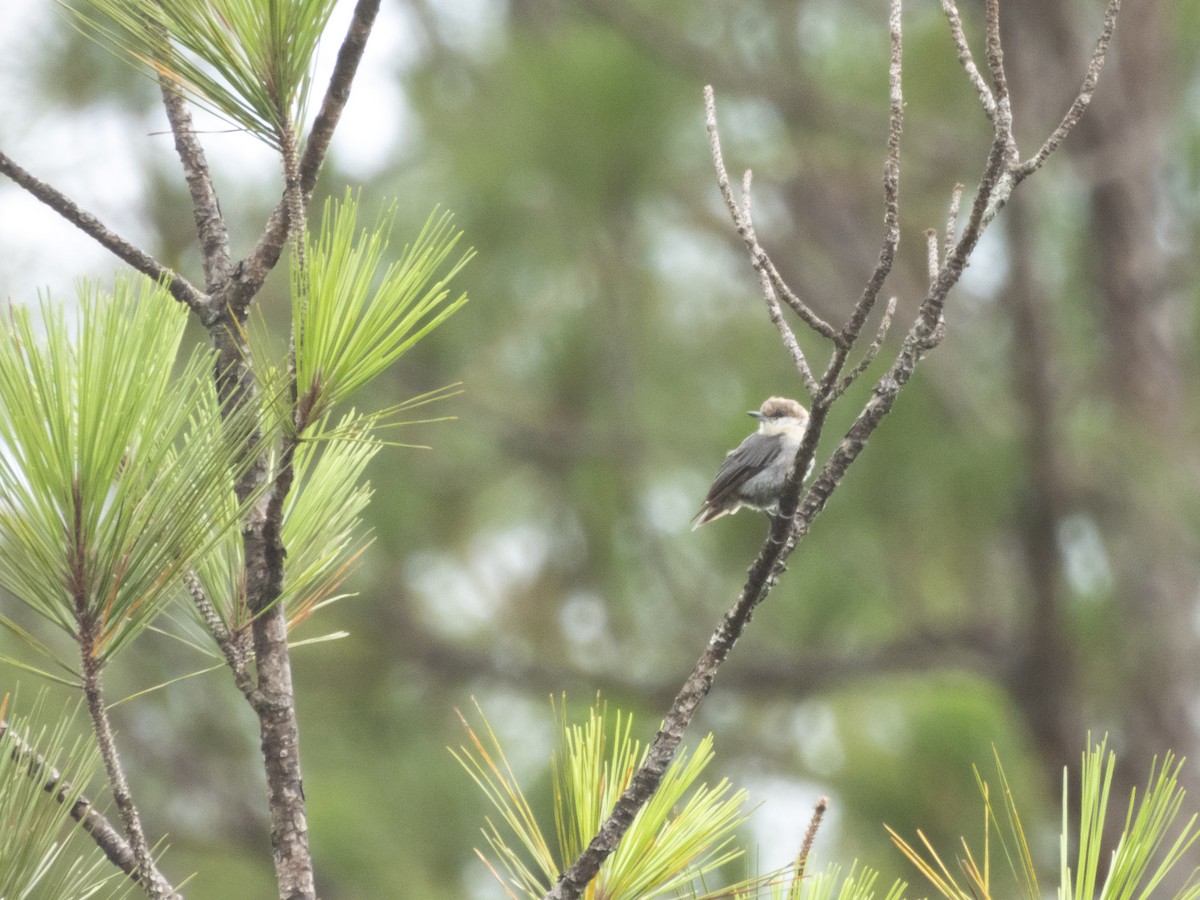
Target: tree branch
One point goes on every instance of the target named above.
(745, 229)
(967, 60)
(206, 209)
(891, 196)
(795, 517)
(253, 270)
(181, 289)
(1082, 99)
(146, 873)
(107, 837)
(881, 334)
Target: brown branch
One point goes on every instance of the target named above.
(102, 831)
(967, 60)
(252, 271)
(146, 873)
(1082, 99)
(745, 228)
(338, 92)
(181, 289)
(206, 209)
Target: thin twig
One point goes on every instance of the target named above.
(891, 196)
(181, 289)
(885, 325)
(952, 220)
(1082, 99)
(745, 230)
(802, 309)
(774, 313)
(932, 263)
(967, 60)
(1002, 116)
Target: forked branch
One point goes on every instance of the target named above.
(1002, 171)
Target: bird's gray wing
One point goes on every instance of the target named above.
(743, 463)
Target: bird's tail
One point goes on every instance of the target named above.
(707, 514)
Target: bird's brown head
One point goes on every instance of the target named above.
(778, 408)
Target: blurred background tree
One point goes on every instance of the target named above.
(1011, 562)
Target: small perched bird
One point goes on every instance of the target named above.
(753, 474)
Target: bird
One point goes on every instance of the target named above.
(754, 472)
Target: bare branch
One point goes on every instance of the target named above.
(745, 228)
(885, 325)
(932, 263)
(952, 221)
(1002, 117)
(967, 60)
(774, 313)
(1082, 99)
(802, 309)
(891, 194)
(181, 289)
(206, 209)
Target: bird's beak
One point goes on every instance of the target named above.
(756, 414)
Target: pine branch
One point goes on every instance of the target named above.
(206, 209)
(181, 289)
(102, 831)
(253, 270)
(146, 873)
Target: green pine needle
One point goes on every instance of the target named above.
(247, 61)
(684, 831)
(111, 482)
(1135, 870)
(352, 317)
(830, 884)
